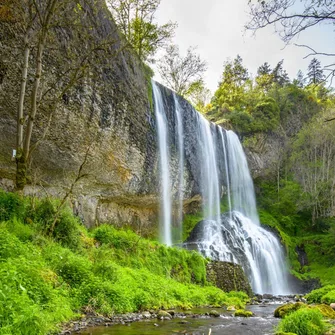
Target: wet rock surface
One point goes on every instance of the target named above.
(228, 277)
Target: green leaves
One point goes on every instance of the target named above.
(135, 19)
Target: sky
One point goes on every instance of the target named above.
(216, 27)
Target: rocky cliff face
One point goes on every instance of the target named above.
(106, 113)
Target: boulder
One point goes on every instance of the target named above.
(214, 313)
(243, 313)
(283, 310)
(163, 315)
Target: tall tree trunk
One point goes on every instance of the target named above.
(20, 157)
(24, 153)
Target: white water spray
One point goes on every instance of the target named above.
(180, 195)
(164, 160)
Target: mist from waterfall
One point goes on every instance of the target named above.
(220, 169)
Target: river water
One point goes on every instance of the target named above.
(263, 323)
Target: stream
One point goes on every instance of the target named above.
(262, 323)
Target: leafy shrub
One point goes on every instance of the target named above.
(29, 302)
(106, 269)
(23, 232)
(62, 225)
(328, 298)
(11, 205)
(11, 246)
(67, 230)
(72, 268)
(265, 115)
(43, 213)
(241, 121)
(120, 239)
(303, 322)
(316, 295)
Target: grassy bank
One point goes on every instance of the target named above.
(53, 269)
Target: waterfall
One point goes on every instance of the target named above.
(213, 160)
(242, 187)
(209, 173)
(180, 195)
(164, 161)
(225, 157)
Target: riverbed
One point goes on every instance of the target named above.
(262, 323)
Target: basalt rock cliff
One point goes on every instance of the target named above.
(106, 115)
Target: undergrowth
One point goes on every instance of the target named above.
(52, 269)
(303, 322)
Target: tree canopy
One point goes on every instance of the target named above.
(136, 20)
(182, 74)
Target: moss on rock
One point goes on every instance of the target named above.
(228, 277)
(326, 311)
(243, 312)
(214, 313)
(284, 310)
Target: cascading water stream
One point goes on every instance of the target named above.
(226, 169)
(164, 159)
(209, 179)
(241, 184)
(264, 253)
(180, 195)
(216, 160)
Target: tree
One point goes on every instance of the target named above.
(312, 164)
(233, 86)
(264, 69)
(36, 21)
(181, 74)
(135, 19)
(280, 76)
(264, 79)
(199, 96)
(291, 18)
(315, 73)
(300, 81)
(39, 28)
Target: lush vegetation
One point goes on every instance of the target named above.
(53, 269)
(303, 322)
(287, 120)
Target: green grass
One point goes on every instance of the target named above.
(303, 322)
(49, 275)
(319, 295)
